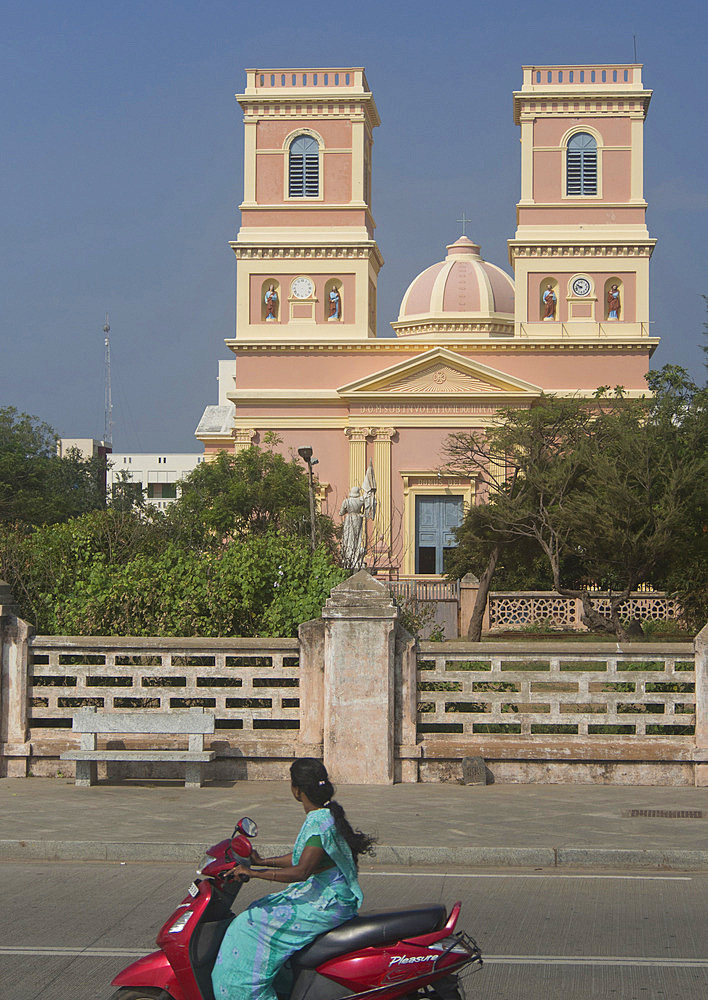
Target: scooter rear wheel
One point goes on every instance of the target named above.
(447, 988)
(131, 993)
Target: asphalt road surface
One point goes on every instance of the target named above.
(66, 929)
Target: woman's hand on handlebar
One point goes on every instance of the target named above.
(240, 872)
(256, 859)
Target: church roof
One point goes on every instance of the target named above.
(463, 289)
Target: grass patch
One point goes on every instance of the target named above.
(611, 730)
(497, 727)
(584, 665)
(531, 665)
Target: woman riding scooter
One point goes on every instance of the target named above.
(324, 892)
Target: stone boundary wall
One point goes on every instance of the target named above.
(356, 690)
(559, 711)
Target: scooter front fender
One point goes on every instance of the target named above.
(151, 970)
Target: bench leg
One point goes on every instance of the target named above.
(193, 776)
(85, 773)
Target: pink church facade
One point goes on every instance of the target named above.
(470, 337)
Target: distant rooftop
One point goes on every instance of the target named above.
(350, 78)
(623, 75)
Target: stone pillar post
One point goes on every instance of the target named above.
(357, 454)
(14, 671)
(700, 646)
(382, 470)
(360, 619)
(311, 635)
(469, 588)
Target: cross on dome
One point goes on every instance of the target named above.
(463, 221)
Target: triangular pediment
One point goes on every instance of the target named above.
(438, 372)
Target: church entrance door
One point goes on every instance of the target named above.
(435, 521)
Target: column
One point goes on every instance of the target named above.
(243, 438)
(15, 749)
(700, 754)
(357, 454)
(382, 469)
(360, 619)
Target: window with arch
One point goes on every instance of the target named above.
(581, 164)
(304, 167)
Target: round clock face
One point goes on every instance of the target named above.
(581, 286)
(302, 288)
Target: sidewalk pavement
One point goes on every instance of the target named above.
(578, 826)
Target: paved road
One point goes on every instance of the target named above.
(66, 929)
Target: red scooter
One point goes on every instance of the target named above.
(384, 955)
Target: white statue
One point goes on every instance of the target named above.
(360, 503)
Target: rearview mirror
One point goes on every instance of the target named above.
(247, 827)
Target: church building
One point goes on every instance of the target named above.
(470, 337)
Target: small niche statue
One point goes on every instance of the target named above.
(335, 306)
(360, 503)
(549, 303)
(613, 303)
(271, 301)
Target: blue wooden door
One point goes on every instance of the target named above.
(435, 521)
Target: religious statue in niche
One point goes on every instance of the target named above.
(271, 302)
(360, 504)
(335, 306)
(550, 300)
(613, 303)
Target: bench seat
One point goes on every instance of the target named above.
(193, 723)
(188, 756)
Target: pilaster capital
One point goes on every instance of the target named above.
(383, 433)
(358, 433)
(243, 435)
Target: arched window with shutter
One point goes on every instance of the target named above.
(581, 164)
(304, 167)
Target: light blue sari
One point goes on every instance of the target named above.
(262, 938)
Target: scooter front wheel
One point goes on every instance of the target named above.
(133, 993)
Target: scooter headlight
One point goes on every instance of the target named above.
(206, 860)
(181, 922)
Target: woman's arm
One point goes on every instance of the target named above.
(283, 861)
(312, 860)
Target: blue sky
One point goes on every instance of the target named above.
(122, 173)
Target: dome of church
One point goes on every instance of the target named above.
(461, 294)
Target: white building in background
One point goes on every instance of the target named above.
(159, 475)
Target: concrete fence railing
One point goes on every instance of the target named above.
(355, 689)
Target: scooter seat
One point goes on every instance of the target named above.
(369, 929)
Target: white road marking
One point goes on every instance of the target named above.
(549, 874)
(606, 960)
(612, 960)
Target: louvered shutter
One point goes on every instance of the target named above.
(581, 165)
(304, 168)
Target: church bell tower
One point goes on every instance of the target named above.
(307, 259)
(581, 250)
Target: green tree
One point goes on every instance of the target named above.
(680, 414)
(235, 496)
(606, 489)
(36, 486)
(525, 466)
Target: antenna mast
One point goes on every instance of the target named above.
(107, 400)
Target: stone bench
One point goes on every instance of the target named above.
(193, 722)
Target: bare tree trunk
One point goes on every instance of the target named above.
(591, 617)
(474, 630)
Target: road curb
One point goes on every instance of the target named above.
(484, 857)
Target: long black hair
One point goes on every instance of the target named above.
(310, 776)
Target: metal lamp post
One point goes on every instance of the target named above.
(306, 455)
